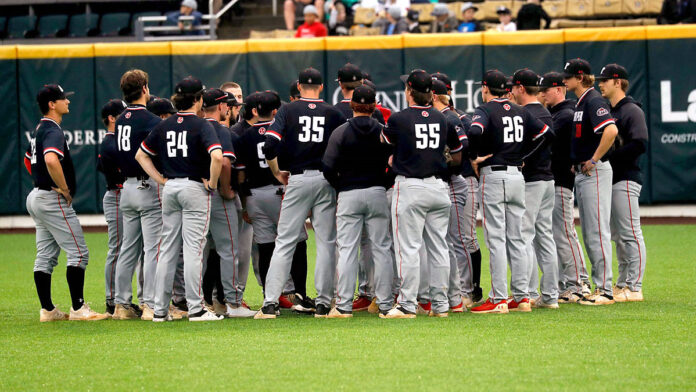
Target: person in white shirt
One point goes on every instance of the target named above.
(505, 18)
(380, 7)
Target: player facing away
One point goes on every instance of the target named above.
(631, 142)
(191, 157)
(354, 164)
(593, 138)
(50, 206)
(295, 143)
(502, 136)
(420, 208)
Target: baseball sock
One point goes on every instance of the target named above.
(265, 254)
(476, 266)
(43, 289)
(76, 284)
(298, 271)
(212, 271)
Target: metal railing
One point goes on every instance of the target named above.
(144, 32)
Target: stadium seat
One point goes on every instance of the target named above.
(364, 16)
(139, 14)
(599, 23)
(555, 8)
(363, 31)
(633, 7)
(281, 33)
(653, 7)
(580, 9)
(117, 23)
(83, 25)
(567, 23)
(487, 10)
(627, 22)
(52, 26)
(455, 9)
(256, 34)
(425, 12)
(21, 26)
(607, 7)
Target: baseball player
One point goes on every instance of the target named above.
(354, 164)
(631, 143)
(235, 90)
(595, 131)
(140, 199)
(386, 112)
(191, 156)
(420, 209)
(161, 107)
(298, 135)
(350, 77)
(294, 92)
(572, 273)
(537, 225)
(263, 194)
(502, 136)
(50, 206)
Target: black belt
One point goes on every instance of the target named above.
(301, 171)
(45, 188)
(501, 167)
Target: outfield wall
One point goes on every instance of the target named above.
(659, 59)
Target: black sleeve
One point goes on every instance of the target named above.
(546, 17)
(274, 134)
(377, 115)
(538, 135)
(331, 155)
(637, 135)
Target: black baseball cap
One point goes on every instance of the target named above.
(294, 91)
(503, 10)
(525, 77)
(494, 79)
(370, 84)
(310, 76)
(364, 94)
(232, 101)
(113, 108)
(577, 67)
(264, 101)
(444, 79)
(349, 73)
(214, 96)
(439, 87)
(612, 71)
(412, 15)
(160, 106)
(418, 80)
(366, 76)
(508, 83)
(52, 93)
(189, 85)
(551, 79)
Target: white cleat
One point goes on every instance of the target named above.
(204, 315)
(239, 312)
(53, 315)
(86, 314)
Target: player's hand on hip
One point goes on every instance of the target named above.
(208, 185)
(587, 167)
(476, 162)
(283, 177)
(65, 193)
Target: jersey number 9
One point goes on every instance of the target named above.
(514, 129)
(428, 136)
(312, 129)
(175, 143)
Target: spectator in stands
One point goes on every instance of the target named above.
(530, 15)
(413, 24)
(677, 11)
(443, 22)
(188, 8)
(291, 6)
(381, 6)
(469, 23)
(505, 18)
(311, 27)
(340, 15)
(393, 23)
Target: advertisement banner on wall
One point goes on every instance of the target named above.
(10, 154)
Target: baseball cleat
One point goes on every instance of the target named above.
(176, 313)
(373, 308)
(522, 306)
(303, 305)
(266, 312)
(458, 308)
(204, 315)
(148, 313)
(477, 295)
(53, 315)
(361, 304)
(634, 296)
(540, 303)
(433, 314)
(124, 312)
(181, 305)
(284, 302)
(586, 289)
(338, 313)
(597, 299)
(491, 307)
(239, 312)
(397, 313)
(86, 314)
(322, 311)
(110, 310)
(424, 309)
(569, 297)
(620, 293)
(156, 318)
(467, 301)
(219, 308)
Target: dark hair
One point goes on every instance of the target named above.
(351, 85)
(185, 101)
(367, 108)
(266, 112)
(421, 99)
(43, 107)
(246, 113)
(498, 92)
(531, 90)
(132, 83)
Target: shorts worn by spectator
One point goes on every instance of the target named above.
(443, 22)
(290, 8)
(530, 15)
(311, 28)
(469, 23)
(393, 23)
(677, 11)
(188, 8)
(505, 18)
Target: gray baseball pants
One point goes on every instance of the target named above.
(571, 259)
(420, 215)
(225, 237)
(305, 192)
(248, 251)
(461, 272)
(502, 198)
(470, 209)
(537, 230)
(627, 234)
(396, 285)
(594, 202)
(57, 227)
(185, 221)
(114, 228)
(366, 268)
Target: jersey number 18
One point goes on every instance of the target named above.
(123, 138)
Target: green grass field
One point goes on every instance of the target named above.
(636, 346)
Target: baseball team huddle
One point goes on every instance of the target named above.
(210, 183)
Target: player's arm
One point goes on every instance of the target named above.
(479, 122)
(271, 148)
(145, 154)
(602, 122)
(27, 160)
(637, 129)
(227, 171)
(457, 142)
(389, 132)
(55, 170)
(537, 134)
(214, 148)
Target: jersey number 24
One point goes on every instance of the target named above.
(312, 129)
(175, 144)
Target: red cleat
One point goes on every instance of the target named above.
(424, 309)
(361, 304)
(523, 306)
(491, 307)
(458, 309)
(284, 302)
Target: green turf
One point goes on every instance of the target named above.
(637, 346)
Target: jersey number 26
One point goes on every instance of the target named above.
(514, 129)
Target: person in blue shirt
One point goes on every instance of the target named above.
(188, 8)
(469, 23)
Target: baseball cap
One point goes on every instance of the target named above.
(395, 12)
(508, 83)
(443, 78)
(310, 9)
(214, 96)
(525, 77)
(366, 75)
(439, 88)
(577, 67)
(189, 85)
(370, 84)
(468, 5)
(364, 95)
(190, 3)
(349, 73)
(263, 101)
(503, 10)
(551, 79)
(232, 101)
(113, 108)
(294, 91)
(52, 93)
(418, 80)
(440, 9)
(310, 76)
(494, 79)
(160, 106)
(412, 15)
(612, 71)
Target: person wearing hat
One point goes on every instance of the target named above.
(349, 78)
(354, 164)
(50, 206)
(591, 144)
(505, 18)
(292, 8)
(235, 91)
(469, 23)
(537, 225)
(192, 18)
(530, 15)
(443, 21)
(294, 92)
(392, 23)
(421, 208)
(161, 107)
(298, 135)
(191, 156)
(412, 17)
(627, 181)
(502, 136)
(312, 26)
(572, 273)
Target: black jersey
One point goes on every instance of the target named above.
(538, 166)
(240, 127)
(107, 163)
(344, 107)
(465, 119)
(250, 156)
(304, 127)
(225, 136)
(49, 138)
(590, 118)
(453, 120)
(183, 142)
(507, 131)
(132, 127)
(631, 142)
(560, 149)
(419, 135)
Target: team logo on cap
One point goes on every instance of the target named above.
(180, 120)
(541, 80)
(566, 66)
(425, 114)
(262, 131)
(506, 107)
(602, 112)
(602, 71)
(128, 115)
(312, 106)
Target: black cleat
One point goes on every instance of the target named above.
(477, 295)
(322, 311)
(183, 306)
(110, 309)
(303, 305)
(137, 309)
(267, 312)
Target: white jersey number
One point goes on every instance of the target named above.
(32, 142)
(123, 139)
(428, 136)
(175, 143)
(262, 157)
(312, 129)
(514, 129)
